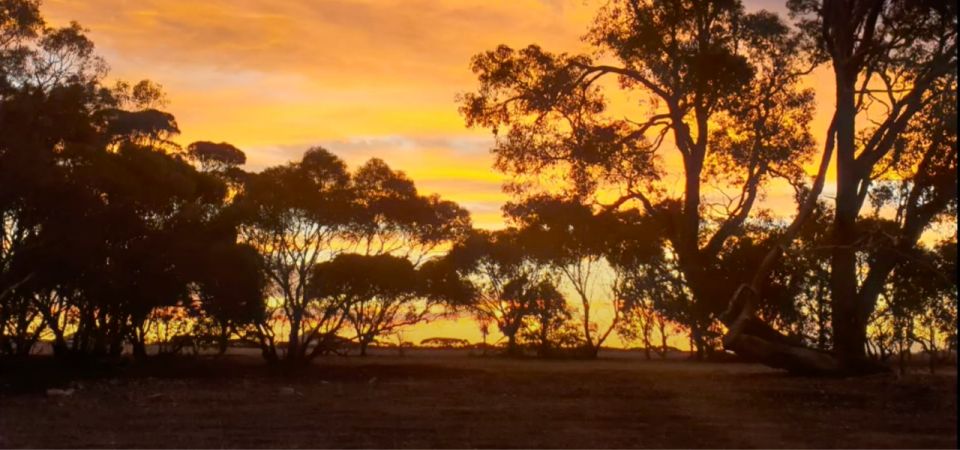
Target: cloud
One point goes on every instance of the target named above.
(456, 167)
(364, 78)
(371, 40)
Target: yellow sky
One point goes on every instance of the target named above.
(364, 78)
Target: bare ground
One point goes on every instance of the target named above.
(452, 400)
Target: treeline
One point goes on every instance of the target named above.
(114, 237)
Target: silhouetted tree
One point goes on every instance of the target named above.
(391, 217)
(309, 212)
(650, 286)
(293, 215)
(720, 83)
(639, 320)
(380, 294)
(549, 325)
(216, 157)
(102, 218)
(891, 60)
(229, 287)
(46, 77)
(918, 306)
(501, 273)
(570, 238)
(809, 262)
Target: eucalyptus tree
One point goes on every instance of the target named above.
(147, 219)
(895, 66)
(79, 228)
(306, 214)
(43, 109)
(918, 307)
(718, 89)
(380, 294)
(294, 215)
(229, 286)
(571, 239)
(392, 218)
(500, 274)
(649, 287)
(549, 326)
(216, 157)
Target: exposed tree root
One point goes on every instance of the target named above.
(755, 340)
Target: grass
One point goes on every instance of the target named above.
(447, 399)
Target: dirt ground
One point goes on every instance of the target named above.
(441, 399)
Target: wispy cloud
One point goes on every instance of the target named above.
(364, 78)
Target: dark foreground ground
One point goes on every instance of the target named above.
(452, 400)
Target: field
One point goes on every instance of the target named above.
(449, 399)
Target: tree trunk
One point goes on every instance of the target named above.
(223, 342)
(116, 337)
(139, 349)
(293, 339)
(754, 340)
(544, 348)
(512, 349)
(903, 360)
(586, 322)
(269, 354)
(696, 335)
(849, 328)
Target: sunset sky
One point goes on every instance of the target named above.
(364, 78)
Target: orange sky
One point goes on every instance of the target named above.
(363, 78)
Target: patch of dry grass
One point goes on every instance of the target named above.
(451, 400)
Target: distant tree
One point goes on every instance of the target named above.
(216, 157)
(229, 289)
(391, 217)
(570, 238)
(380, 294)
(549, 326)
(500, 273)
(639, 322)
(305, 214)
(443, 342)
(143, 95)
(919, 306)
(650, 286)
(484, 324)
(293, 215)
